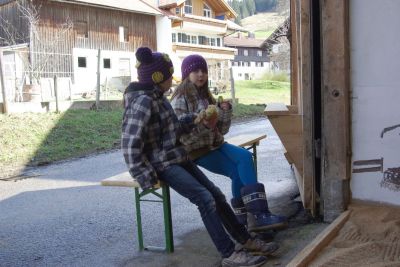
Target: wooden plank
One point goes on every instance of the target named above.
(307, 168)
(336, 149)
(294, 61)
(246, 139)
(123, 179)
(311, 250)
(288, 128)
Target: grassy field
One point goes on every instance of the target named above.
(34, 139)
(263, 22)
(262, 34)
(261, 92)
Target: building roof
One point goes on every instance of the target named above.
(242, 41)
(136, 6)
(282, 31)
(233, 26)
(219, 6)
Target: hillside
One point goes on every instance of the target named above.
(263, 24)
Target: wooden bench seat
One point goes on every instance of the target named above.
(247, 141)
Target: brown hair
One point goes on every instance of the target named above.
(186, 85)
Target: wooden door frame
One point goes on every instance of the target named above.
(335, 148)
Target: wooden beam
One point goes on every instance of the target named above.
(307, 100)
(324, 238)
(335, 139)
(294, 56)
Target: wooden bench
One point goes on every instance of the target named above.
(162, 193)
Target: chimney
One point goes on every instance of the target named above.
(251, 35)
(239, 35)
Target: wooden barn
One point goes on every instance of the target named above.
(341, 131)
(64, 38)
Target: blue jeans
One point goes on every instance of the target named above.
(232, 161)
(188, 180)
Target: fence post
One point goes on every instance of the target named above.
(3, 86)
(98, 80)
(56, 92)
(232, 87)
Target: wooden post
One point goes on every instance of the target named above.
(232, 88)
(98, 80)
(3, 86)
(336, 120)
(56, 92)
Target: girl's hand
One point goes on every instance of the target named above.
(210, 124)
(225, 105)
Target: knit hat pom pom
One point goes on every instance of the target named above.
(144, 55)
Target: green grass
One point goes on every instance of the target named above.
(261, 92)
(33, 139)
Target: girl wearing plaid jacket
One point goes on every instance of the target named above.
(152, 151)
(206, 145)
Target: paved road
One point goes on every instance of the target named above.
(64, 217)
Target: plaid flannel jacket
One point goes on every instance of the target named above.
(150, 129)
(200, 139)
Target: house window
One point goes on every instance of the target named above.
(212, 41)
(123, 34)
(124, 67)
(177, 11)
(174, 37)
(194, 39)
(206, 11)
(106, 63)
(259, 53)
(245, 52)
(81, 29)
(81, 62)
(218, 41)
(203, 40)
(188, 7)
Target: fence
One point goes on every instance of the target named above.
(39, 77)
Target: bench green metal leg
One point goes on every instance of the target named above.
(165, 200)
(254, 154)
(139, 219)
(169, 236)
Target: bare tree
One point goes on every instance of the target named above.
(27, 30)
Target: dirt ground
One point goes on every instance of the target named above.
(370, 237)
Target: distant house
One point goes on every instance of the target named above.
(65, 38)
(199, 26)
(278, 47)
(250, 61)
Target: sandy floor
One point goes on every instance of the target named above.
(370, 237)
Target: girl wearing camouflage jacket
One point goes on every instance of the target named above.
(205, 143)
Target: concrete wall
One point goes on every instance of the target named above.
(375, 84)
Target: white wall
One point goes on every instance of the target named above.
(86, 78)
(375, 84)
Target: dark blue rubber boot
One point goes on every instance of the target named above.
(240, 210)
(260, 218)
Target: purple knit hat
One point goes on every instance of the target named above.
(153, 68)
(193, 63)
